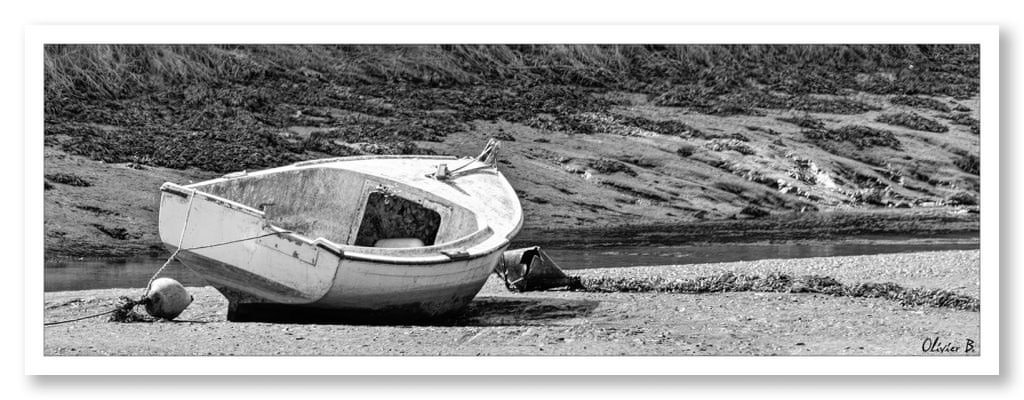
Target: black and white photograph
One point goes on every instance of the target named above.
(513, 199)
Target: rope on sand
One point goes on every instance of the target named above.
(79, 319)
(122, 313)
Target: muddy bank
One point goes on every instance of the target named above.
(579, 323)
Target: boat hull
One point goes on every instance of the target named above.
(221, 230)
(360, 290)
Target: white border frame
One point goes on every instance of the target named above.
(985, 364)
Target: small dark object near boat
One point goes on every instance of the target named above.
(530, 269)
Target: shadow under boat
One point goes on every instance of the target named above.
(482, 311)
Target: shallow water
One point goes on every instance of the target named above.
(625, 256)
(105, 274)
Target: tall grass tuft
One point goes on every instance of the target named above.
(112, 71)
(117, 70)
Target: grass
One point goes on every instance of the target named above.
(111, 71)
(118, 71)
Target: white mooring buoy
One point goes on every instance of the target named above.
(167, 298)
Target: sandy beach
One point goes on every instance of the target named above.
(499, 322)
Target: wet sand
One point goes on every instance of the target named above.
(578, 323)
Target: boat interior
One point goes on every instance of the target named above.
(349, 208)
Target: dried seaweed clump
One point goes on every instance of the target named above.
(806, 122)
(964, 119)
(785, 283)
(606, 166)
(68, 179)
(913, 121)
(920, 102)
(126, 311)
(859, 135)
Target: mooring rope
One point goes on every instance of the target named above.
(181, 238)
(238, 240)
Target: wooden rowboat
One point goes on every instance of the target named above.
(384, 235)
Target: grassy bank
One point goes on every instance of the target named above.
(594, 135)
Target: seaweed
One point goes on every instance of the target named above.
(785, 283)
(912, 121)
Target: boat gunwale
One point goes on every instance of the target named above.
(373, 157)
(348, 251)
